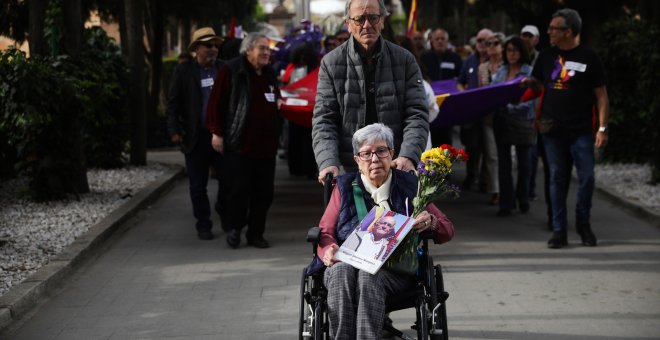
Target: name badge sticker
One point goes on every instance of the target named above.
(575, 66)
(270, 97)
(447, 65)
(207, 82)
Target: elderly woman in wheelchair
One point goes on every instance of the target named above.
(356, 299)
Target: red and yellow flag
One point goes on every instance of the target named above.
(412, 19)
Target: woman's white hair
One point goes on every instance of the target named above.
(372, 133)
(250, 41)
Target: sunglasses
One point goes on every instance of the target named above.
(481, 40)
(492, 43)
(212, 45)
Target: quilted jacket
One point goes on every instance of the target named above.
(340, 108)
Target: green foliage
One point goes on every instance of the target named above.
(100, 84)
(631, 57)
(32, 121)
(45, 101)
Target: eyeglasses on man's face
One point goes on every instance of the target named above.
(361, 19)
(556, 28)
(368, 155)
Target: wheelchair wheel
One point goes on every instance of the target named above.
(305, 310)
(441, 296)
(422, 319)
(319, 321)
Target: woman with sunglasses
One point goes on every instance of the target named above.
(514, 127)
(486, 72)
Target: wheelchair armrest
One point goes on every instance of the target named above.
(314, 235)
(426, 235)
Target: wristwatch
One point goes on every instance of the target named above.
(603, 129)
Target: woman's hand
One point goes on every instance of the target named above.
(328, 257)
(423, 221)
(218, 143)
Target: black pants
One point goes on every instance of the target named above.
(198, 162)
(250, 188)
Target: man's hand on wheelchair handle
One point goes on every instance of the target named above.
(331, 169)
(403, 164)
(328, 257)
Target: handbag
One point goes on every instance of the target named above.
(518, 131)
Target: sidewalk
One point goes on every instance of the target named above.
(157, 280)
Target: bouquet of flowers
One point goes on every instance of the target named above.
(432, 171)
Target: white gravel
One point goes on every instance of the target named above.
(32, 233)
(630, 181)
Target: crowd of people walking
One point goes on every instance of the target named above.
(225, 114)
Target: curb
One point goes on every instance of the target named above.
(24, 297)
(636, 209)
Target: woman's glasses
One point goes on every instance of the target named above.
(492, 43)
(361, 19)
(368, 155)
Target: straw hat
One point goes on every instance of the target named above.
(201, 35)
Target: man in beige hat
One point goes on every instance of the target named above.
(187, 101)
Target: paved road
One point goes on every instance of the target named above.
(159, 281)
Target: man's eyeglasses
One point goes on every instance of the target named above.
(481, 40)
(492, 43)
(368, 155)
(212, 45)
(361, 19)
(557, 28)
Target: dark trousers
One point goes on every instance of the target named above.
(507, 197)
(540, 149)
(198, 162)
(249, 192)
(472, 140)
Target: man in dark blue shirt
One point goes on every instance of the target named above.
(441, 64)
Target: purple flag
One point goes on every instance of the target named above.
(468, 106)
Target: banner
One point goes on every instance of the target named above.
(456, 107)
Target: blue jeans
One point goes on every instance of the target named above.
(198, 162)
(581, 148)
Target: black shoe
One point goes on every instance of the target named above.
(205, 234)
(524, 207)
(558, 240)
(234, 238)
(588, 237)
(258, 243)
(504, 213)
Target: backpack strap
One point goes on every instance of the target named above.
(358, 197)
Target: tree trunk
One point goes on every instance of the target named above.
(73, 27)
(73, 31)
(133, 11)
(156, 59)
(37, 16)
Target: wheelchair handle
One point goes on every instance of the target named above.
(327, 188)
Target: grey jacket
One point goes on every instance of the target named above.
(340, 108)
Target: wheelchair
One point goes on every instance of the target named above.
(428, 298)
